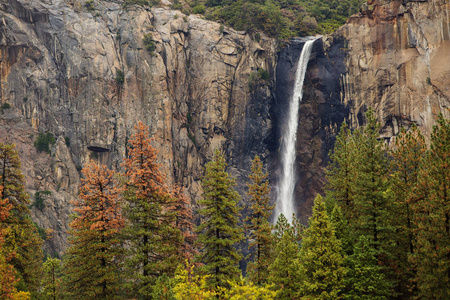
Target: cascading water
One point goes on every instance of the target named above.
(285, 202)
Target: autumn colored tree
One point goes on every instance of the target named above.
(20, 234)
(260, 230)
(219, 232)
(433, 217)
(322, 264)
(7, 273)
(94, 258)
(152, 233)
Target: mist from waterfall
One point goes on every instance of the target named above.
(285, 202)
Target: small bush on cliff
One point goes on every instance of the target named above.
(120, 77)
(256, 77)
(43, 142)
(149, 44)
(89, 5)
(199, 9)
(6, 105)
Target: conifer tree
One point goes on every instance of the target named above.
(371, 183)
(406, 165)
(94, 258)
(260, 230)
(7, 273)
(342, 230)
(51, 280)
(284, 268)
(151, 232)
(21, 235)
(433, 217)
(322, 269)
(341, 172)
(219, 232)
(365, 279)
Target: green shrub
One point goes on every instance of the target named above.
(67, 140)
(428, 81)
(43, 142)
(39, 199)
(257, 37)
(89, 5)
(120, 77)
(177, 5)
(6, 105)
(221, 28)
(149, 44)
(263, 74)
(199, 9)
(256, 77)
(25, 99)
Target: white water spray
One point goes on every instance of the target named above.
(285, 202)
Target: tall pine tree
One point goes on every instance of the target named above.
(433, 217)
(219, 233)
(21, 235)
(94, 259)
(151, 233)
(260, 230)
(322, 269)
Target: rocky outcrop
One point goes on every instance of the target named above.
(87, 77)
(397, 58)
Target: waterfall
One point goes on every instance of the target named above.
(285, 202)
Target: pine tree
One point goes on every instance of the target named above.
(7, 273)
(341, 171)
(342, 230)
(433, 217)
(260, 230)
(94, 258)
(406, 165)
(151, 232)
(219, 232)
(322, 268)
(51, 280)
(284, 268)
(371, 183)
(365, 279)
(21, 234)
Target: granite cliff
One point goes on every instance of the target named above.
(87, 77)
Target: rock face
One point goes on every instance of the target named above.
(86, 76)
(397, 58)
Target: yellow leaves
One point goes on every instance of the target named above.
(21, 295)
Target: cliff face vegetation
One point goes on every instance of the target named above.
(88, 74)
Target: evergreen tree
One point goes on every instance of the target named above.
(151, 233)
(7, 273)
(342, 230)
(406, 165)
(322, 268)
(51, 280)
(433, 217)
(94, 258)
(21, 234)
(371, 183)
(218, 231)
(284, 269)
(341, 172)
(260, 230)
(365, 279)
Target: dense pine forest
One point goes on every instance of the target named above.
(381, 231)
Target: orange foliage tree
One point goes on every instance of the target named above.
(7, 272)
(151, 232)
(95, 255)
